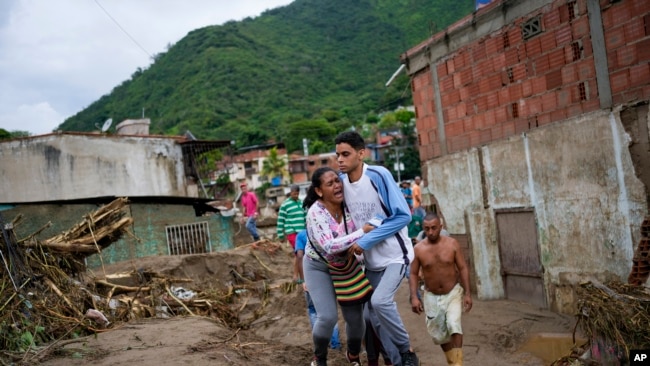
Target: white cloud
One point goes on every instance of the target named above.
(38, 118)
(57, 57)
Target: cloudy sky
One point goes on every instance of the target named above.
(59, 56)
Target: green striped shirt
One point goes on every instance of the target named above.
(291, 218)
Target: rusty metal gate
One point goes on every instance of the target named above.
(521, 267)
(191, 238)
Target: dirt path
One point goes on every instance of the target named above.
(494, 330)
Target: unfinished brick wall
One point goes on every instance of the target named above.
(503, 84)
(641, 260)
(627, 36)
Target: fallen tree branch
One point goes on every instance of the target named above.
(259, 260)
(122, 288)
(61, 295)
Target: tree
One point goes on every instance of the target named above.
(404, 115)
(312, 130)
(320, 147)
(388, 121)
(274, 165)
(206, 163)
(5, 135)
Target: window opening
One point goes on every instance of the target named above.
(576, 50)
(191, 238)
(531, 28)
(506, 40)
(573, 9)
(582, 91)
(515, 110)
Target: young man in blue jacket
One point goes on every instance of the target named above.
(371, 192)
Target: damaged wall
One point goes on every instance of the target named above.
(149, 225)
(73, 166)
(579, 179)
(149, 221)
(532, 122)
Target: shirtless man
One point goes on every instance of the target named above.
(443, 265)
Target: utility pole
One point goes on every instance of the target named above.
(232, 160)
(398, 166)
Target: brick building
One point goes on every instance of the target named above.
(532, 119)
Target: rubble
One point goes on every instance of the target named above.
(48, 296)
(615, 318)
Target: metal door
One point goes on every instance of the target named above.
(521, 267)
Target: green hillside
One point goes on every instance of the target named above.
(312, 60)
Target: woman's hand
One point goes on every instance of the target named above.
(367, 228)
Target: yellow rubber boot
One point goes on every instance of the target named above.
(454, 357)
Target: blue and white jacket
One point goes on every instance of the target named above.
(377, 195)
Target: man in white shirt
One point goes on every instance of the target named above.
(370, 191)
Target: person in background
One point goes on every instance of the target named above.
(418, 210)
(249, 203)
(291, 219)
(446, 288)
(415, 227)
(299, 250)
(405, 187)
(370, 191)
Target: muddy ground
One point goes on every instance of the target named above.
(496, 332)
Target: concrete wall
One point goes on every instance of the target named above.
(75, 166)
(578, 177)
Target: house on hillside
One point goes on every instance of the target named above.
(61, 177)
(249, 162)
(532, 118)
(382, 147)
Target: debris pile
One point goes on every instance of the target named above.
(42, 297)
(97, 231)
(615, 317)
(48, 297)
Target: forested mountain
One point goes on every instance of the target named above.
(308, 66)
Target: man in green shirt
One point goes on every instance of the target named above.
(291, 219)
(415, 227)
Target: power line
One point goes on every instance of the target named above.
(123, 30)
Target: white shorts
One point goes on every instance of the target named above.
(443, 314)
